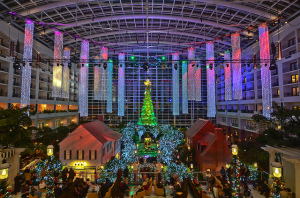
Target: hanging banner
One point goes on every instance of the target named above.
(265, 71)
(83, 79)
(236, 67)
(121, 85)
(210, 75)
(27, 58)
(175, 83)
(227, 69)
(66, 74)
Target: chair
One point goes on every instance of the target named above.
(149, 191)
(92, 195)
(35, 196)
(158, 191)
(139, 194)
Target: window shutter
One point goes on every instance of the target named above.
(64, 154)
(90, 154)
(77, 154)
(70, 154)
(95, 154)
(83, 154)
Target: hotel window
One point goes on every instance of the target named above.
(80, 154)
(68, 154)
(291, 42)
(223, 119)
(295, 91)
(293, 66)
(278, 92)
(93, 154)
(295, 78)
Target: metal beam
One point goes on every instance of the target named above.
(143, 31)
(151, 16)
(217, 2)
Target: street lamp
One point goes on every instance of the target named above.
(277, 169)
(4, 170)
(234, 149)
(50, 150)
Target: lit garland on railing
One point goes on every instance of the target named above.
(211, 86)
(57, 68)
(66, 74)
(175, 83)
(121, 85)
(227, 70)
(265, 72)
(184, 88)
(191, 74)
(109, 86)
(26, 72)
(198, 79)
(236, 67)
(83, 79)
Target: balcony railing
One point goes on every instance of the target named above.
(289, 94)
(4, 69)
(234, 124)
(232, 110)
(289, 82)
(275, 84)
(252, 128)
(247, 111)
(221, 110)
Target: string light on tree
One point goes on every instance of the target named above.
(147, 116)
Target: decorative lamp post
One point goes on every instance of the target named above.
(50, 150)
(4, 170)
(234, 149)
(227, 165)
(277, 169)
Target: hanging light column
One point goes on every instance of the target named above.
(175, 83)
(57, 68)
(191, 74)
(121, 85)
(198, 79)
(227, 69)
(210, 75)
(83, 79)
(27, 58)
(109, 86)
(265, 71)
(236, 67)
(100, 76)
(184, 87)
(66, 74)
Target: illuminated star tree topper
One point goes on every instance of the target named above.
(147, 115)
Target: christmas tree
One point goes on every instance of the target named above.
(147, 115)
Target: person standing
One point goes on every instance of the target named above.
(64, 174)
(71, 174)
(126, 172)
(18, 182)
(27, 175)
(223, 173)
(96, 177)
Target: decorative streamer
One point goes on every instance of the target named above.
(162, 95)
(191, 74)
(236, 67)
(66, 74)
(227, 68)
(103, 73)
(198, 80)
(175, 83)
(83, 79)
(265, 71)
(109, 86)
(184, 88)
(121, 85)
(210, 75)
(97, 78)
(27, 58)
(57, 68)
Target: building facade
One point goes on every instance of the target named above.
(46, 110)
(235, 116)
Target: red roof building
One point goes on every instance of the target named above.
(89, 147)
(212, 150)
